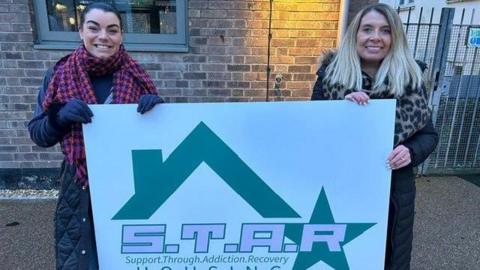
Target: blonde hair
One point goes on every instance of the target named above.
(398, 67)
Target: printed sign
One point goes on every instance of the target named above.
(473, 39)
(287, 185)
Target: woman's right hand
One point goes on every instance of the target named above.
(74, 111)
(147, 102)
(361, 98)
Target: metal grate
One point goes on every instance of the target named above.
(455, 92)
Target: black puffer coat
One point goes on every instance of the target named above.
(74, 234)
(402, 199)
(402, 193)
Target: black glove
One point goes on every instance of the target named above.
(147, 102)
(74, 111)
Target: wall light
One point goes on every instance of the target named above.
(60, 8)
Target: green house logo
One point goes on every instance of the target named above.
(155, 180)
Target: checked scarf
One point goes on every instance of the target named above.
(71, 79)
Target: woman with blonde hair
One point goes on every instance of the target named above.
(374, 62)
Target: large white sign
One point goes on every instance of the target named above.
(290, 185)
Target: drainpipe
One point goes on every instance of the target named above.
(267, 98)
(342, 20)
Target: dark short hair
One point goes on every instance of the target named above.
(101, 6)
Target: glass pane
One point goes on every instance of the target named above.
(62, 16)
(138, 16)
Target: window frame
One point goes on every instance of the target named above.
(178, 42)
(406, 5)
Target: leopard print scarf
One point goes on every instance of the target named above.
(412, 112)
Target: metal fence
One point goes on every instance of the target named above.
(454, 83)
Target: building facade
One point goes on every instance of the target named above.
(195, 51)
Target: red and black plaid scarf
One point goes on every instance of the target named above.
(71, 80)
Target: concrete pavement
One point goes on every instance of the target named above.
(447, 228)
(26, 234)
(447, 224)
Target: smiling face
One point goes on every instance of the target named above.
(101, 33)
(374, 38)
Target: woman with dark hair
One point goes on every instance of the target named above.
(373, 61)
(99, 72)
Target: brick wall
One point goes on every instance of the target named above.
(226, 62)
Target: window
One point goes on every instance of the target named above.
(457, 70)
(406, 3)
(149, 25)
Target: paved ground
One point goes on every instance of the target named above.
(28, 245)
(447, 228)
(447, 224)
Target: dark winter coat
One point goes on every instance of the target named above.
(74, 234)
(402, 193)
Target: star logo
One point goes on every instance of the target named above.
(322, 214)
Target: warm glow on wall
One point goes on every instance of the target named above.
(286, 37)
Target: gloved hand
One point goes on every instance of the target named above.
(74, 111)
(147, 102)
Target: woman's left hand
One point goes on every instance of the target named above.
(147, 102)
(399, 157)
(360, 97)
